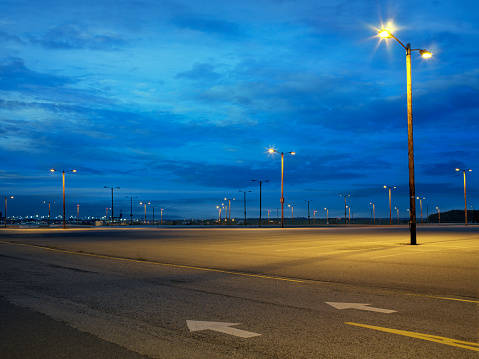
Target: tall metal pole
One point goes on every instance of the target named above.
(63, 177)
(465, 198)
(412, 185)
(282, 186)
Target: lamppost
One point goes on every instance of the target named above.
(412, 186)
(270, 211)
(465, 200)
(6, 209)
(219, 214)
(374, 212)
(397, 212)
(78, 212)
(245, 207)
(345, 195)
(390, 220)
(291, 213)
(327, 215)
(439, 214)
(161, 220)
(309, 218)
(154, 213)
(260, 182)
(49, 206)
(131, 209)
(63, 178)
(272, 150)
(112, 188)
(420, 205)
(314, 216)
(145, 203)
(229, 207)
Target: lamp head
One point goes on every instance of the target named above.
(424, 53)
(384, 34)
(293, 153)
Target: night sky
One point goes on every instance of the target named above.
(177, 103)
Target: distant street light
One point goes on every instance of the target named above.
(309, 218)
(420, 205)
(397, 212)
(374, 212)
(314, 217)
(49, 206)
(260, 182)
(6, 209)
(112, 188)
(145, 203)
(161, 220)
(291, 213)
(412, 186)
(78, 212)
(465, 199)
(327, 215)
(345, 215)
(272, 150)
(154, 213)
(131, 209)
(63, 178)
(219, 214)
(229, 207)
(244, 192)
(439, 214)
(390, 218)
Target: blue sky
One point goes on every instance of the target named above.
(177, 102)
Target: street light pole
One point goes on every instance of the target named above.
(345, 215)
(244, 192)
(390, 218)
(131, 209)
(420, 205)
(465, 198)
(6, 209)
(327, 215)
(374, 212)
(272, 150)
(112, 188)
(309, 218)
(412, 186)
(63, 179)
(260, 182)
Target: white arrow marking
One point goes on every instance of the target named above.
(195, 325)
(360, 306)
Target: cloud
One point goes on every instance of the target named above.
(71, 36)
(14, 75)
(203, 71)
(208, 26)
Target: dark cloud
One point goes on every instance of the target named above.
(70, 36)
(14, 75)
(204, 71)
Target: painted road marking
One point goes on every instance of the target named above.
(432, 338)
(360, 306)
(195, 325)
(286, 279)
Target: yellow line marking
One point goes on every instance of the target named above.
(285, 279)
(432, 338)
(162, 264)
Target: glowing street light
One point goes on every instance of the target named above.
(63, 178)
(112, 188)
(439, 214)
(412, 186)
(420, 204)
(272, 150)
(229, 207)
(260, 182)
(291, 213)
(390, 218)
(145, 203)
(327, 215)
(465, 199)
